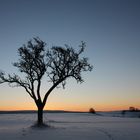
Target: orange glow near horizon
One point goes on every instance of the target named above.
(67, 102)
(66, 107)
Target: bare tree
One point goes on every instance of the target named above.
(58, 63)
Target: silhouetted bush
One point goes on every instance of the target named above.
(91, 110)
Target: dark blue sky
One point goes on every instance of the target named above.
(111, 29)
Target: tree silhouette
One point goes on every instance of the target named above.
(92, 110)
(58, 63)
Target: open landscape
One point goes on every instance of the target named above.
(69, 126)
(70, 70)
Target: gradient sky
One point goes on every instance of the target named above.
(111, 30)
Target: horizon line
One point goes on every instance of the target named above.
(59, 110)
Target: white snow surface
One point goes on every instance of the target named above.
(69, 126)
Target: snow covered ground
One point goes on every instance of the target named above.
(69, 126)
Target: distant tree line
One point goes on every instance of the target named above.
(131, 109)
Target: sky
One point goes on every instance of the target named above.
(111, 30)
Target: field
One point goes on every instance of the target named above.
(69, 126)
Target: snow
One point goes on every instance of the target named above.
(69, 126)
(134, 114)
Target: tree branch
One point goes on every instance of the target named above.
(50, 90)
(38, 89)
(16, 79)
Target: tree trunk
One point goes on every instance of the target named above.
(40, 116)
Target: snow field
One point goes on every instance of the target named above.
(69, 126)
